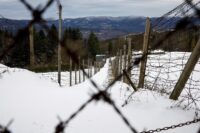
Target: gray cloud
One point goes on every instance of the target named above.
(80, 8)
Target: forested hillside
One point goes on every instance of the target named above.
(46, 45)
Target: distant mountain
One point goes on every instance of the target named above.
(12, 25)
(107, 27)
(104, 27)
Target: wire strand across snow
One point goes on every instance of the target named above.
(34, 102)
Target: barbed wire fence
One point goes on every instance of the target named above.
(101, 95)
(164, 68)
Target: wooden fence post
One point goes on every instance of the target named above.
(79, 69)
(129, 80)
(99, 66)
(189, 67)
(70, 73)
(75, 74)
(115, 66)
(145, 51)
(59, 44)
(91, 67)
(124, 67)
(84, 69)
(31, 39)
(88, 68)
(120, 62)
(129, 56)
(95, 67)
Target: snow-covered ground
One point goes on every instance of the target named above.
(34, 102)
(163, 72)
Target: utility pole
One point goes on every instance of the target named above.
(59, 41)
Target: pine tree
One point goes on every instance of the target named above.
(110, 48)
(20, 54)
(52, 42)
(72, 34)
(40, 42)
(93, 45)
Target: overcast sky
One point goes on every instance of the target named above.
(81, 8)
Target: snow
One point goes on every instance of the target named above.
(163, 72)
(34, 102)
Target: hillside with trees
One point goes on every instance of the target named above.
(46, 45)
(184, 40)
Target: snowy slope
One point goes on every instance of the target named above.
(35, 102)
(163, 72)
